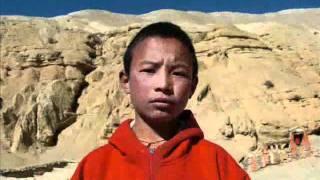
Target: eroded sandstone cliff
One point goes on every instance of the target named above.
(60, 96)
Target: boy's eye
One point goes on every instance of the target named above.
(178, 73)
(148, 70)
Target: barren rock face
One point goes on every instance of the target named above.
(42, 76)
(59, 82)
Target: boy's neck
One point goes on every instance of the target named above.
(151, 133)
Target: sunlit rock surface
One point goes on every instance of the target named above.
(60, 95)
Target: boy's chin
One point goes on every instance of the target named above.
(161, 117)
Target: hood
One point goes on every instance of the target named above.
(126, 142)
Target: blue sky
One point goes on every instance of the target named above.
(50, 8)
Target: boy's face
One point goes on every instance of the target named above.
(161, 80)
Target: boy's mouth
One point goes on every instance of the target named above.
(162, 101)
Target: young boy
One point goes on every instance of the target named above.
(163, 141)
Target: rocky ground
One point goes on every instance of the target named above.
(292, 170)
(60, 97)
(306, 169)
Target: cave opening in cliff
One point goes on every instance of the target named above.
(297, 137)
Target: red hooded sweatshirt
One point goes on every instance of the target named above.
(186, 156)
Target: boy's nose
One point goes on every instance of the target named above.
(164, 83)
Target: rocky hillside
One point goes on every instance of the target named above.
(60, 97)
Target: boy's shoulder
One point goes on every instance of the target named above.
(99, 154)
(212, 147)
(227, 165)
(217, 151)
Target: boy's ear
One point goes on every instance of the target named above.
(124, 81)
(193, 86)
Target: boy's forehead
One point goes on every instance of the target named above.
(175, 50)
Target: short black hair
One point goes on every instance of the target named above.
(163, 30)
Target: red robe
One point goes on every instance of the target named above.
(186, 156)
